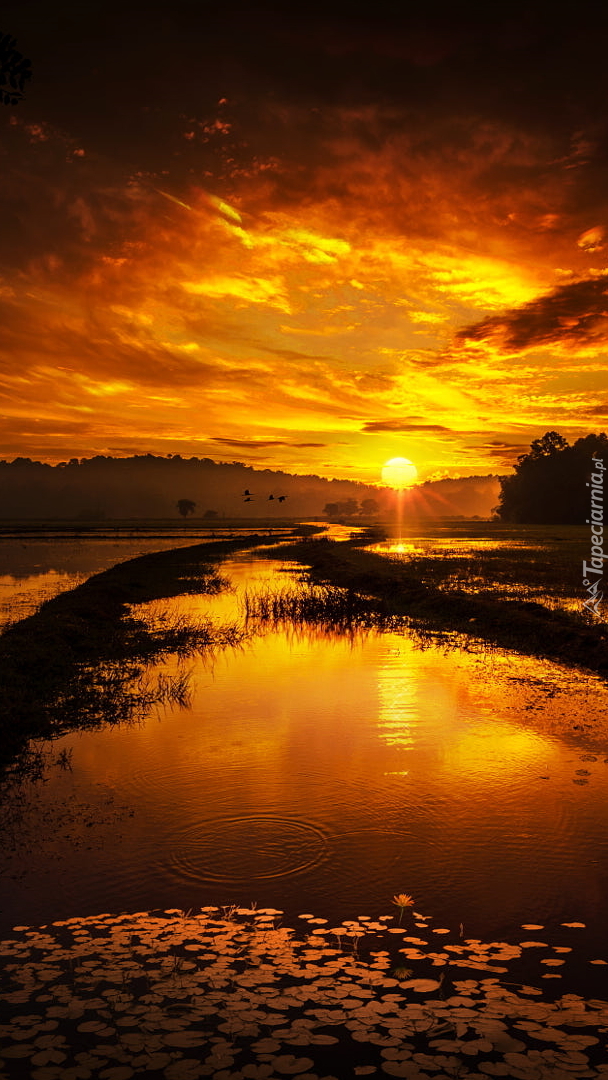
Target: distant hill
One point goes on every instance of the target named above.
(470, 496)
(146, 486)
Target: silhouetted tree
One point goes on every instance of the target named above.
(210, 515)
(185, 507)
(348, 508)
(549, 484)
(369, 507)
(551, 443)
(14, 70)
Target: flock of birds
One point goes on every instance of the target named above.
(248, 496)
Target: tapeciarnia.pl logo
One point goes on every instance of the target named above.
(593, 571)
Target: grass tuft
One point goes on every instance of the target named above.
(79, 661)
(423, 591)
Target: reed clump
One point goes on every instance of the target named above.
(430, 599)
(339, 608)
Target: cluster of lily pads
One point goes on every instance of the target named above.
(233, 994)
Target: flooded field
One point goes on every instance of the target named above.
(35, 567)
(331, 771)
(398, 839)
(535, 563)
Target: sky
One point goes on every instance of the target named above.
(304, 238)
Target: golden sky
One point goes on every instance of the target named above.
(307, 242)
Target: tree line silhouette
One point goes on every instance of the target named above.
(549, 485)
(150, 486)
(350, 507)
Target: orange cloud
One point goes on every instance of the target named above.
(382, 270)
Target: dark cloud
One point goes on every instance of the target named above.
(574, 313)
(60, 208)
(34, 428)
(253, 444)
(123, 74)
(391, 95)
(502, 451)
(404, 426)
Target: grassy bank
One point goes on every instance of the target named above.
(421, 590)
(79, 660)
(539, 562)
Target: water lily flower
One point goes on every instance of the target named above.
(402, 900)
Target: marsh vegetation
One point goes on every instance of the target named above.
(80, 659)
(486, 594)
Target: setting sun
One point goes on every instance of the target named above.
(399, 473)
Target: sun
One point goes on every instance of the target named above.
(399, 473)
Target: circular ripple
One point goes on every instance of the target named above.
(239, 850)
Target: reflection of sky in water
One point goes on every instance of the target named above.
(431, 546)
(20, 597)
(33, 569)
(324, 773)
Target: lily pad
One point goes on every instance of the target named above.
(290, 1065)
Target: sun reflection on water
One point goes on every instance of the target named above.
(456, 772)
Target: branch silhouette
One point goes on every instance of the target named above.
(15, 70)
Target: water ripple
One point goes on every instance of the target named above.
(240, 850)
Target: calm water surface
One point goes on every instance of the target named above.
(323, 774)
(35, 568)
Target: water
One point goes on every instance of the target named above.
(34, 568)
(535, 563)
(320, 773)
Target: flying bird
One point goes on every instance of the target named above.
(270, 497)
(248, 492)
(282, 498)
